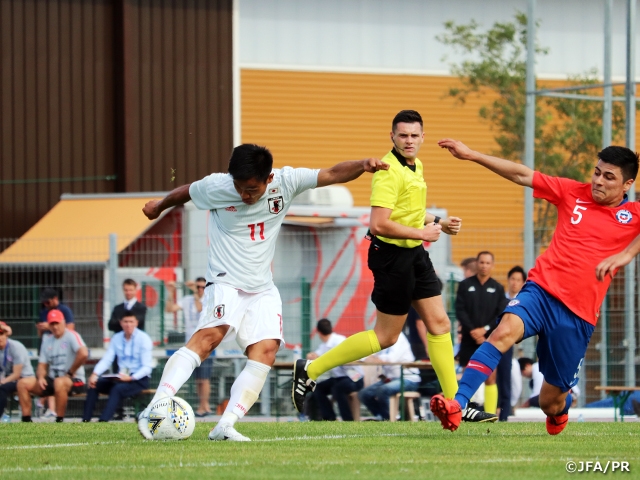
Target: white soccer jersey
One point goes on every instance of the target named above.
(242, 238)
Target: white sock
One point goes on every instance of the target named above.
(245, 391)
(176, 373)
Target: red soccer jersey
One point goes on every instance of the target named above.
(586, 234)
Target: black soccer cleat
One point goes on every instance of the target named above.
(474, 414)
(302, 384)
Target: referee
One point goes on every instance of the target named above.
(479, 302)
(402, 271)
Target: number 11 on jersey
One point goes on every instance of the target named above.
(252, 231)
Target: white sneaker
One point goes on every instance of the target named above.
(50, 414)
(224, 431)
(143, 425)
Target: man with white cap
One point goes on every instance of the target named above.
(60, 368)
(14, 364)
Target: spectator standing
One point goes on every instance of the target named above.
(515, 281)
(14, 364)
(376, 397)
(130, 304)
(131, 347)
(479, 302)
(60, 368)
(469, 267)
(51, 301)
(191, 306)
(342, 381)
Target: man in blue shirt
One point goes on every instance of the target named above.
(51, 301)
(132, 348)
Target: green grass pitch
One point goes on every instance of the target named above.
(316, 450)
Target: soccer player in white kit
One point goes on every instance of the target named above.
(246, 209)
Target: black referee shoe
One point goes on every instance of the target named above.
(473, 413)
(302, 384)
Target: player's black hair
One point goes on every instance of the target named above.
(406, 116)
(621, 157)
(485, 252)
(128, 313)
(517, 269)
(324, 326)
(250, 161)
(129, 281)
(524, 361)
(201, 279)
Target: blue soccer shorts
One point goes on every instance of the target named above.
(563, 337)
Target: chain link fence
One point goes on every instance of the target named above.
(320, 272)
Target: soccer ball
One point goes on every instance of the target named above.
(171, 418)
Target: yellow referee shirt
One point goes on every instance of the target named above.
(404, 192)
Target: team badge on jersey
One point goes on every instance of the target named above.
(623, 216)
(513, 303)
(274, 190)
(276, 204)
(218, 312)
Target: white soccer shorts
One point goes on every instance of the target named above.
(252, 317)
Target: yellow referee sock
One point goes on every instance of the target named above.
(491, 398)
(441, 356)
(353, 348)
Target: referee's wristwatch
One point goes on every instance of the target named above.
(436, 220)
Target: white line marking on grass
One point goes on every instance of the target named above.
(57, 445)
(328, 437)
(324, 462)
(277, 439)
(58, 468)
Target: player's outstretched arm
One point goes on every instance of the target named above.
(344, 172)
(177, 196)
(513, 171)
(610, 265)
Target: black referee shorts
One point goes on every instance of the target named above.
(400, 276)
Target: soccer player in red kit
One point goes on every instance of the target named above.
(597, 232)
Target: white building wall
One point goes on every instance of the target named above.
(400, 36)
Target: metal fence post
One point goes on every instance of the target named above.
(36, 314)
(305, 316)
(630, 124)
(451, 301)
(113, 277)
(161, 292)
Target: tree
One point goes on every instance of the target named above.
(568, 132)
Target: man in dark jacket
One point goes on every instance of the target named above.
(130, 304)
(479, 302)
